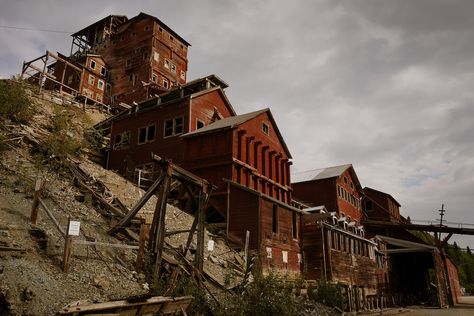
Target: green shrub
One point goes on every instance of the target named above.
(328, 294)
(14, 103)
(266, 295)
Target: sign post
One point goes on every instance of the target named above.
(73, 229)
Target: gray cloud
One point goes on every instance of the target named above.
(385, 86)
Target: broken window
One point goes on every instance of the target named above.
(173, 127)
(178, 126)
(146, 134)
(265, 129)
(91, 79)
(103, 71)
(100, 84)
(92, 64)
(173, 68)
(168, 128)
(183, 75)
(165, 84)
(275, 219)
(167, 64)
(199, 124)
(121, 140)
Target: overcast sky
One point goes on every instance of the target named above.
(384, 85)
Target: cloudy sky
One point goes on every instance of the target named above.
(384, 85)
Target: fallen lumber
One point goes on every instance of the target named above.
(150, 306)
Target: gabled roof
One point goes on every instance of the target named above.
(225, 123)
(234, 121)
(386, 194)
(142, 15)
(325, 173)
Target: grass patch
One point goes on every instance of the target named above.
(14, 103)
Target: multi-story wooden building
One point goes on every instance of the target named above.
(145, 56)
(156, 125)
(337, 188)
(380, 206)
(246, 157)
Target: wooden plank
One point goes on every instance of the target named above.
(103, 201)
(137, 207)
(180, 302)
(158, 225)
(144, 230)
(51, 216)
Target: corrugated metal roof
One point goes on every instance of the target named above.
(228, 122)
(318, 174)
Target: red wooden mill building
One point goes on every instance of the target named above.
(244, 156)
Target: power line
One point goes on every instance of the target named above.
(32, 29)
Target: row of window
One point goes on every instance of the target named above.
(146, 29)
(93, 65)
(345, 195)
(100, 82)
(171, 127)
(284, 255)
(351, 245)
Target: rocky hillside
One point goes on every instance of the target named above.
(47, 136)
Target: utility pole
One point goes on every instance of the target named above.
(441, 213)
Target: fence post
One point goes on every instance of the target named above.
(39, 187)
(67, 247)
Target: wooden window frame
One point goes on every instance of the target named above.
(266, 127)
(174, 133)
(91, 79)
(90, 64)
(147, 131)
(199, 121)
(100, 84)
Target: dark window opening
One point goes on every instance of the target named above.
(151, 133)
(199, 124)
(92, 64)
(368, 205)
(265, 129)
(275, 219)
(146, 134)
(168, 128)
(142, 135)
(178, 127)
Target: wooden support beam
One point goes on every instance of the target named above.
(204, 196)
(103, 201)
(40, 82)
(53, 219)
(144, 230)
(158, 225)
(446, 239)
(190, 236)
(137, 207)
(39, 187)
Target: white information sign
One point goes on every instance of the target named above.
(210, 245)
(285, 256)
(74, 228)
